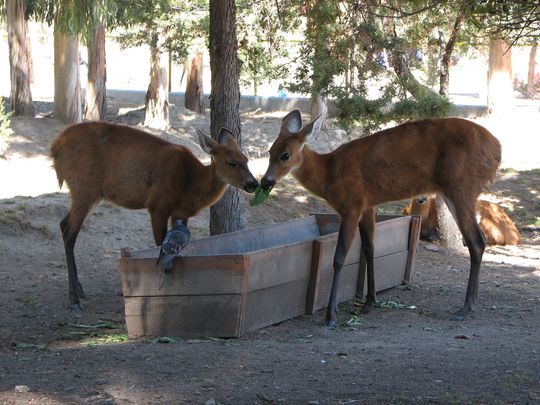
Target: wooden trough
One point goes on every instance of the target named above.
(229, 284)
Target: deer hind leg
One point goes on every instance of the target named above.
(366, 227)
(346, 234)
(70, 226)
(464, 214)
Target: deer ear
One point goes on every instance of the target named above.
(226, 137)
(206, 142)
(292, 122)
(313, 128)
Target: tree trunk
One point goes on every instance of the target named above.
(444, 78)
(318, 107)
(406, 78)
(67, 86)
(194, 85)
(531, 91)
(228, 214)
(320, 15)
(157, 96)
(500, 88)
(21, 97)
(96, 91)
(448, 230)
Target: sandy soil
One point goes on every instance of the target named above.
(49, 355)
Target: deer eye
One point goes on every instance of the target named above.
(284, 157)
(232, 164)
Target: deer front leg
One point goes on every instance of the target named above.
(366, 228)
(159, 225)
(347, 231)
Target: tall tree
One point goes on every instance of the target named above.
(228, 214)
(194, 84)
(263, 31)
(500, 87)
(74, 19)
(444, 75)
(21, 96)
(156, 99)
(322, 23)
(531, 74)
(67, 85)
(95, 106)
(167, 27)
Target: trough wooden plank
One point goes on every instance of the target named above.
(346, 290)
(389, 272)
(190, 276)
(278, 266)
(391, 236)
(189, 316)
(414, 235)
(251, 240)
(275, 304)
(328, 248)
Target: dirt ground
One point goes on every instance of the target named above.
(408, 355)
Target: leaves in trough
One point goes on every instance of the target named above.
(261, 195)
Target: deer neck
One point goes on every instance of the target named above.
(212, 187)
(312, 173)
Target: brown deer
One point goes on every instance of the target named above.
(496, 225)
(450, 156)
(135, 170)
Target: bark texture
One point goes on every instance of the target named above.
(448, 230)
(20, 99)
(194, 85)
(500, 88)
(444, 78)
(318, 107)
(67, 86)
(531, 74)
(96, 90)
(157, 95)
(228, 214)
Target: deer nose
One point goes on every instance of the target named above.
(251, 186)
(267, 182)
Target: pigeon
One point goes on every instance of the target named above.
(175, 240)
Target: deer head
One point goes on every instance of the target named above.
(230, 163)
(286, 151)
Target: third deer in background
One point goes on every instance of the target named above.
(496, 225)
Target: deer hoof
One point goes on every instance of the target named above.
(76, 308)
(330, 324)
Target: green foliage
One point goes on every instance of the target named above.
(371, 114)
(167, 25)
(28, 346)
(263, 30)
(369, 58)
(359, 111)
(430, 106)
(74, 16)
(325, 49)
(512, 20)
